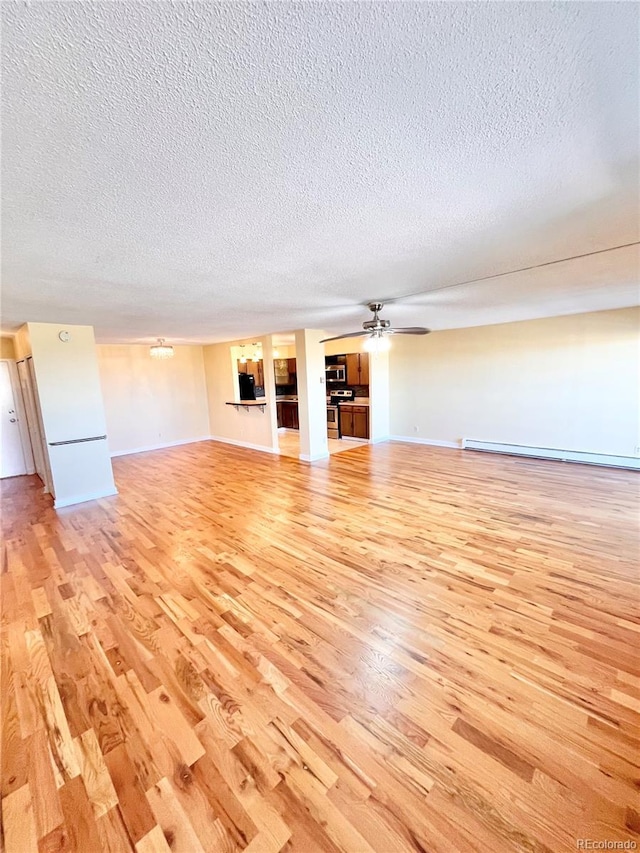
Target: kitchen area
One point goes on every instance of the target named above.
(347, 395)
(347, 383)
(251, 382)
(286, 379)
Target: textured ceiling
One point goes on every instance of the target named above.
(211, 171)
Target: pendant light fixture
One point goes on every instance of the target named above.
(243, 358)
(257, 353)
(161, 350)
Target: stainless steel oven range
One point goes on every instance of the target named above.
(333, 421)
(333, 410)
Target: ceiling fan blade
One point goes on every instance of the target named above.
(409, 330)
(349, 335)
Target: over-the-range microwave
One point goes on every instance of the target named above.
(336, 373)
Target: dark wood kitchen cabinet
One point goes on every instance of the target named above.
(354, 421)
(346, 421)
(358, 368)
(285, 371)
(287, 412)
(295, 419)
(353, 368)
(364, 368)
(281, 371)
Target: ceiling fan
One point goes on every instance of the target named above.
(377, 331)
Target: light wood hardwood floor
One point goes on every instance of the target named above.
(289, 443)
(399, 649)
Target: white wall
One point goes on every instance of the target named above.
(153, 402)
(565, 382)
(343, 346)
(253, 428)
(285, 351)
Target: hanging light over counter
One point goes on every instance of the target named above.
(161, 350)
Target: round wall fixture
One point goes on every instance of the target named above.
(65, 337)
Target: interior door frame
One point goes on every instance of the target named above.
(25, 439)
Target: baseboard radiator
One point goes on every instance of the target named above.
(632, 462)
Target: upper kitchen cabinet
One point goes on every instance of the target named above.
(281, 370)
(364, 368)
(357, 368)
(285, 371)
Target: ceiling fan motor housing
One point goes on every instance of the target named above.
(376, 324)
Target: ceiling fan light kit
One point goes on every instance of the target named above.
(377, 342)
(377, 331)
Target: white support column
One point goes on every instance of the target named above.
(379, 397)
(312, 395)
(67, 386)
(270, 390)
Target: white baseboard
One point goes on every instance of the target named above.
(261, 447)
(315, 458)
(381, 439)
(80, 499)
(586, 457)
(160, 446)
(431, 441)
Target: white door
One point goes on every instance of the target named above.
(31, 414)
(11, 455)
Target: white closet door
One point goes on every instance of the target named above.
(34, 421)
(12, 462)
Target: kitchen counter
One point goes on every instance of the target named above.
(357, 401)
(287, 398)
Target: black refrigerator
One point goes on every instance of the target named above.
(247, 386)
